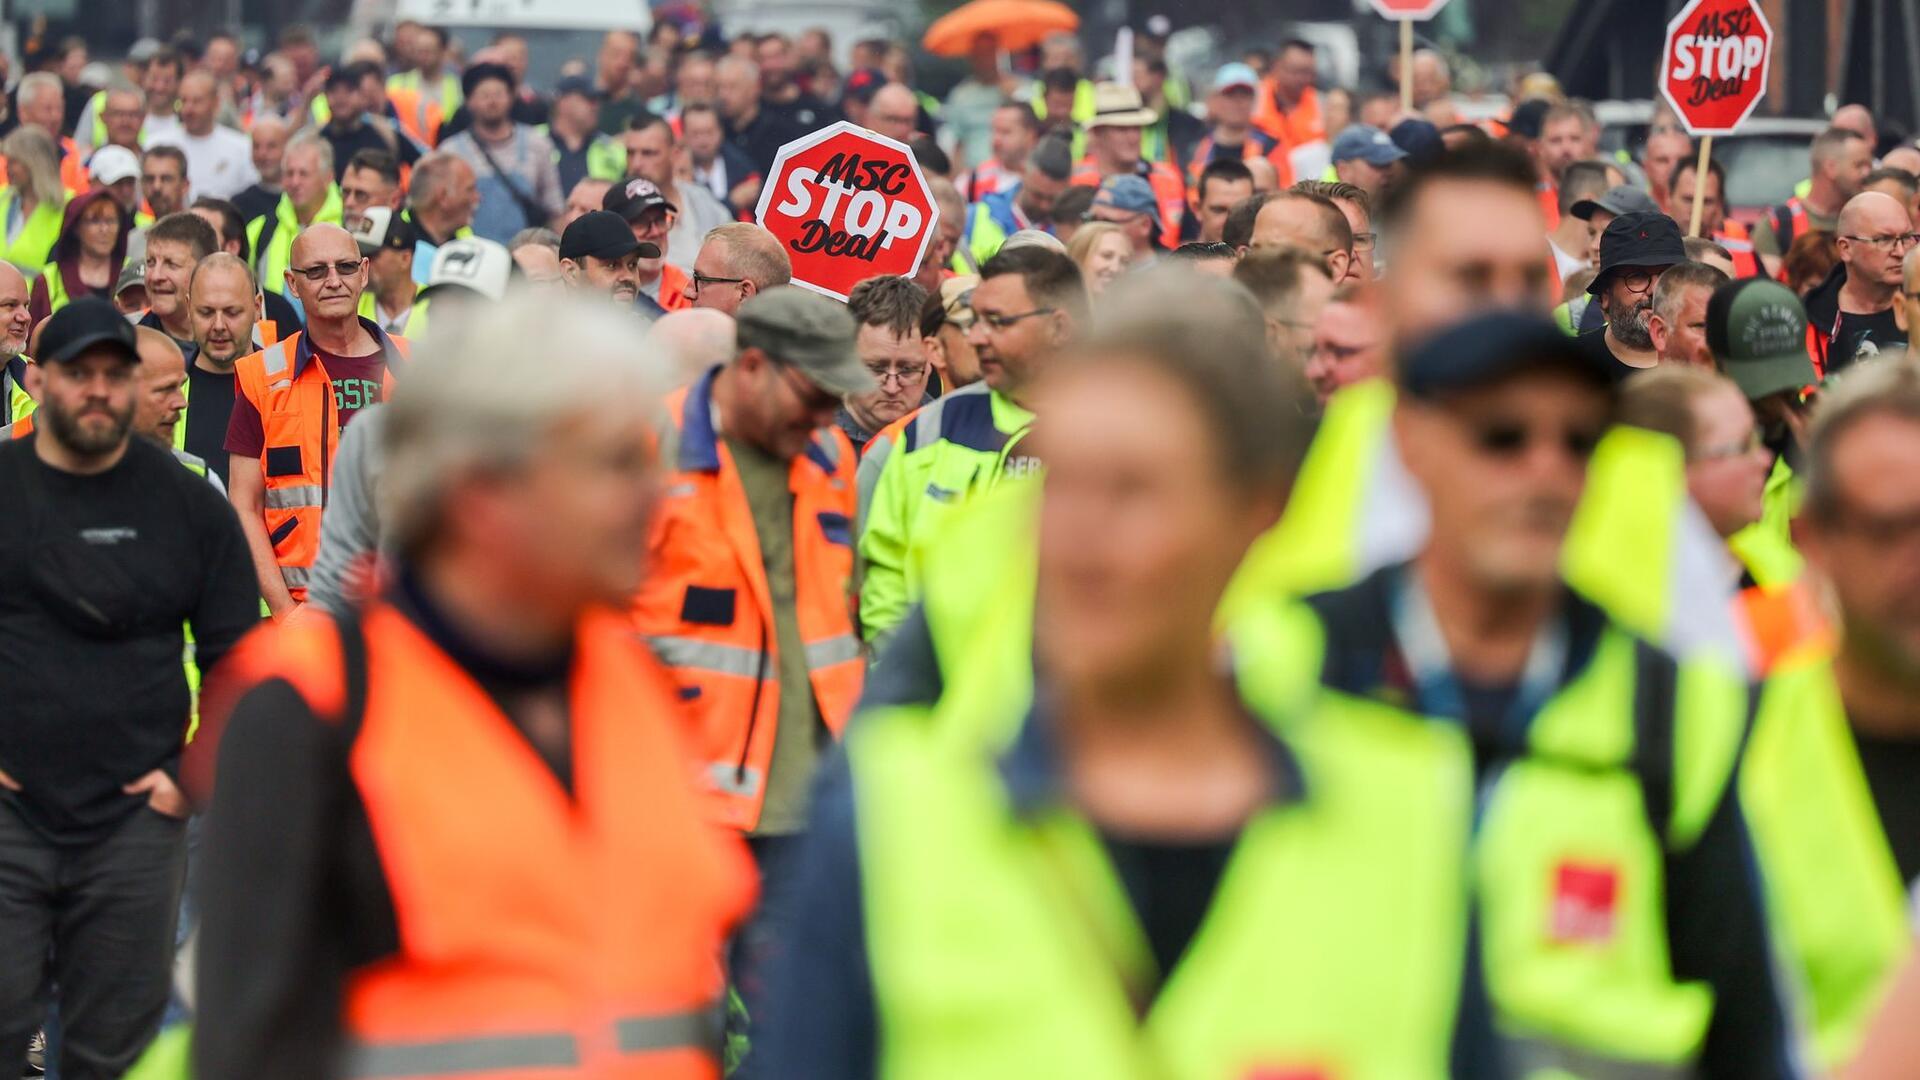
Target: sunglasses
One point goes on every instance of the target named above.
(320, 272)
(1512, 439)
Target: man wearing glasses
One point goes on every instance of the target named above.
(887, 310)
(293, 398)
(1029, 304)
(1852, 311)
(1634, 251)
(746, 604)
(738, 261)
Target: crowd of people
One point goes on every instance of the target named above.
(1294, 584)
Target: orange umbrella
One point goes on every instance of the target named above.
(1013, 24)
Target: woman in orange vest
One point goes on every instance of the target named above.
(454, 832)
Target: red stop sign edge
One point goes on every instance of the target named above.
(1425, 11)
(1666, 65)
(844, 127)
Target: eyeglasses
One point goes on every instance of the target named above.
(1728, 450)
(902, 375)
(701, 280)
(1892, 242)
(1365, 241)
(319, 273)
(1504, 439)
(1636, 278)
(1003, 322)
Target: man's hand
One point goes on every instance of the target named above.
(163, 795)
(8, 782)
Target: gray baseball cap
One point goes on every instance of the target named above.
(809, 332)
(1624, 199)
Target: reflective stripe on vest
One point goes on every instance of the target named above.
(707, 609)
(690, 1029)
(1538, 1058)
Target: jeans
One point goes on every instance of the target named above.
(97, 922)
(753, 946)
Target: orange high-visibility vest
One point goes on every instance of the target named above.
(545, 935)
(73, 168)
(1293, 127)
(707, 612)
(1276, 154)
(1785, 621)
(673, 288)
(294, 395)
(420, 119)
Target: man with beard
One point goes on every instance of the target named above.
(887, 310)
(118, 548)
(599, 254)
(1634, 251)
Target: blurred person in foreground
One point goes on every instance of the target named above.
(1200, 839)
(1859, 531)
(1479, 634)
(544, 830)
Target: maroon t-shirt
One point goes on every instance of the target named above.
(356, 385)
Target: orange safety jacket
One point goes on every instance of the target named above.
(1785, 621)
(1258, 144)
(541, 934)
(1169, 191)
(73, 167)
(294, 395)
(419, 119)
(1293, 127)
(673, 288)
(1746, 261)
(706, 609)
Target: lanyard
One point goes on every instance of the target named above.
(1417, 629)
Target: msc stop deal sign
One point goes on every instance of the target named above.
(848, 204)
(1714, 69)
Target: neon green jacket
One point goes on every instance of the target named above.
(29, 250)
(270, 261)
(1337, 935)
(954, 449)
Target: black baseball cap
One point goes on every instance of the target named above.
(634, 198)
(1645, 240)
(577, 84)
(84, 325)
(1488, 348)
(1527, 118)
(602, 235)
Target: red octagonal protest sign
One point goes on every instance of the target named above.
(1714, 68)
(1408, 10)
(848, 204)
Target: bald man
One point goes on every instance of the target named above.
(1852, 311)
(693, 341)
(285, 451)
(1311, 222)
(895, 112)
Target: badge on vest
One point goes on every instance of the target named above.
(1585, 898)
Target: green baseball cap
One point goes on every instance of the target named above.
(1757, 331)
(813, 334)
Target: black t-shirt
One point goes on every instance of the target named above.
(209, 408)
(1171, 886)
(1861, 337)
(256, 201)
(1893, 777)
(761, 140)
(803, 114)
(1594, 343)
(93, 704)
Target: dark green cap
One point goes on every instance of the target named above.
(809, 332)
(1757, 330)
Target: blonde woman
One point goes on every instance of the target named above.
(1101, 250)
(33, 202)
